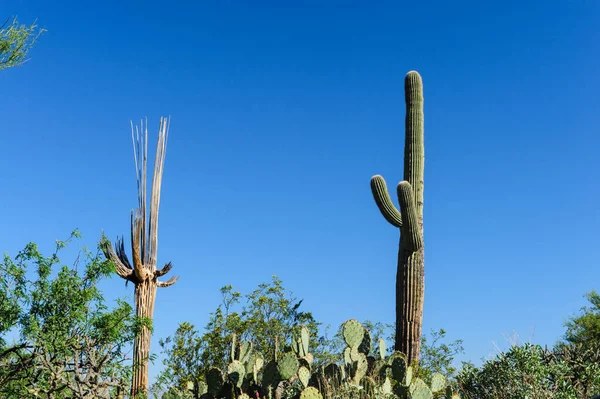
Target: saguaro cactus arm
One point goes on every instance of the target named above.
(384, 202)
(166, 268)
(411, 231)
(120, 265)
(168, 283)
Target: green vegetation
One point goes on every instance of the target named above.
(60, 340)
(68, 343)
(410, 273)
(268, 346)
(15, 42)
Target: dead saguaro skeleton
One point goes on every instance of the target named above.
(144, 243)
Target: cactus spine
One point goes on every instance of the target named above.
(410, 281)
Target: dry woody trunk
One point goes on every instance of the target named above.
(144, 243)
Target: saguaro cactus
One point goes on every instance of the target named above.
(143, 274)
(410, 275)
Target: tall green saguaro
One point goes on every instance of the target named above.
(410, 276)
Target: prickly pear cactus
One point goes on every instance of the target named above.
(399, 370)
(419, 390)
(382, 348)
(214, 379)
(311, 393)
(288, 365)
(304, 338)
(245, 349)
(365, 344)
(353, 332)
(359, 368)
(438, 382)
(202, 388)
(236, 372)
(271, 375)
(255, 360)
(304, 376)
(409, 375)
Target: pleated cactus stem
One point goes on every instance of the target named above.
(142, 271)
(410, 281)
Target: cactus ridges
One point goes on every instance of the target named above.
(353, 332)
(236, 372)
(409, 218)
(311, 393)
(414, 151)
(304, 376)
(214, 379)
(288, 365)
(438, 382)
(384, 202)
(411, 231)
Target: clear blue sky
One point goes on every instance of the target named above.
(280, 116)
